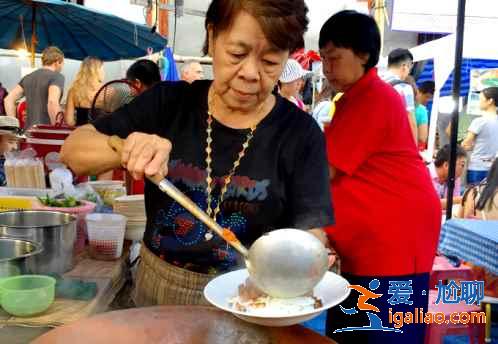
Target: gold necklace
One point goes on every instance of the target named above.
(209, 180)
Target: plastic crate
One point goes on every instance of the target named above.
(47, 141)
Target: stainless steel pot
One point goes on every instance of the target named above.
(55, 231)
(17, 256)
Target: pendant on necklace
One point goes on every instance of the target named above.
(208, 236)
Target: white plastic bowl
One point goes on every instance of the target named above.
(332, 290)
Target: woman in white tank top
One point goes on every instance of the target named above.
(482, 137)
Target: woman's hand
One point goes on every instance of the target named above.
(320, 234)
(145, 154)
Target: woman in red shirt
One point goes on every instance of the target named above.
(387, 212)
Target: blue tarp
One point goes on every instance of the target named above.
(467, 66)
(78, 31)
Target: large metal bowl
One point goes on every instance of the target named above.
(287, 262)
(17, 256)
(55, 231)
(176, 325)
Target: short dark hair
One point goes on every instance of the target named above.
(399, 56)
(491, 93)
(144, 70)
(427, 87)
(283, 22)
(353, 30)
(443, 155)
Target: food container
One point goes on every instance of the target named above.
(108, 190)
(16, 203)
(106, 235)
(24, 171)
(135, 231)
(27, 295)
(80, 212)
(54, 231)
(133, 208)
(17, 256)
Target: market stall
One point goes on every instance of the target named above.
(442, 51)
(89, 259)
(57, 236)
(96, 285)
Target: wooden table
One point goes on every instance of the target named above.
(176, 325)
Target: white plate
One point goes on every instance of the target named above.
(332, 290)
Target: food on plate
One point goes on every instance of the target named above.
(108, 190)
(252, 300)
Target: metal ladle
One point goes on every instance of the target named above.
(283, 263)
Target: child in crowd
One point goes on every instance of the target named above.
(291, 82)
(9, 131)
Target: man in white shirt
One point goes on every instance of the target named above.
(399, 64)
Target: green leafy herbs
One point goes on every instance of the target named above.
(66, 202)
(92, 197)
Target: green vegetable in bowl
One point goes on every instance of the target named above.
(67, 202)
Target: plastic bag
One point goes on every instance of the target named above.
(61, 181)
(87, 193)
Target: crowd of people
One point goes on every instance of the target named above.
(348, 170)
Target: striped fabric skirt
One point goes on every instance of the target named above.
(161, 283)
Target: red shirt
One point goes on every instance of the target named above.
(388, 215)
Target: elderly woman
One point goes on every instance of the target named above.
(387, 212)
(251, 159)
